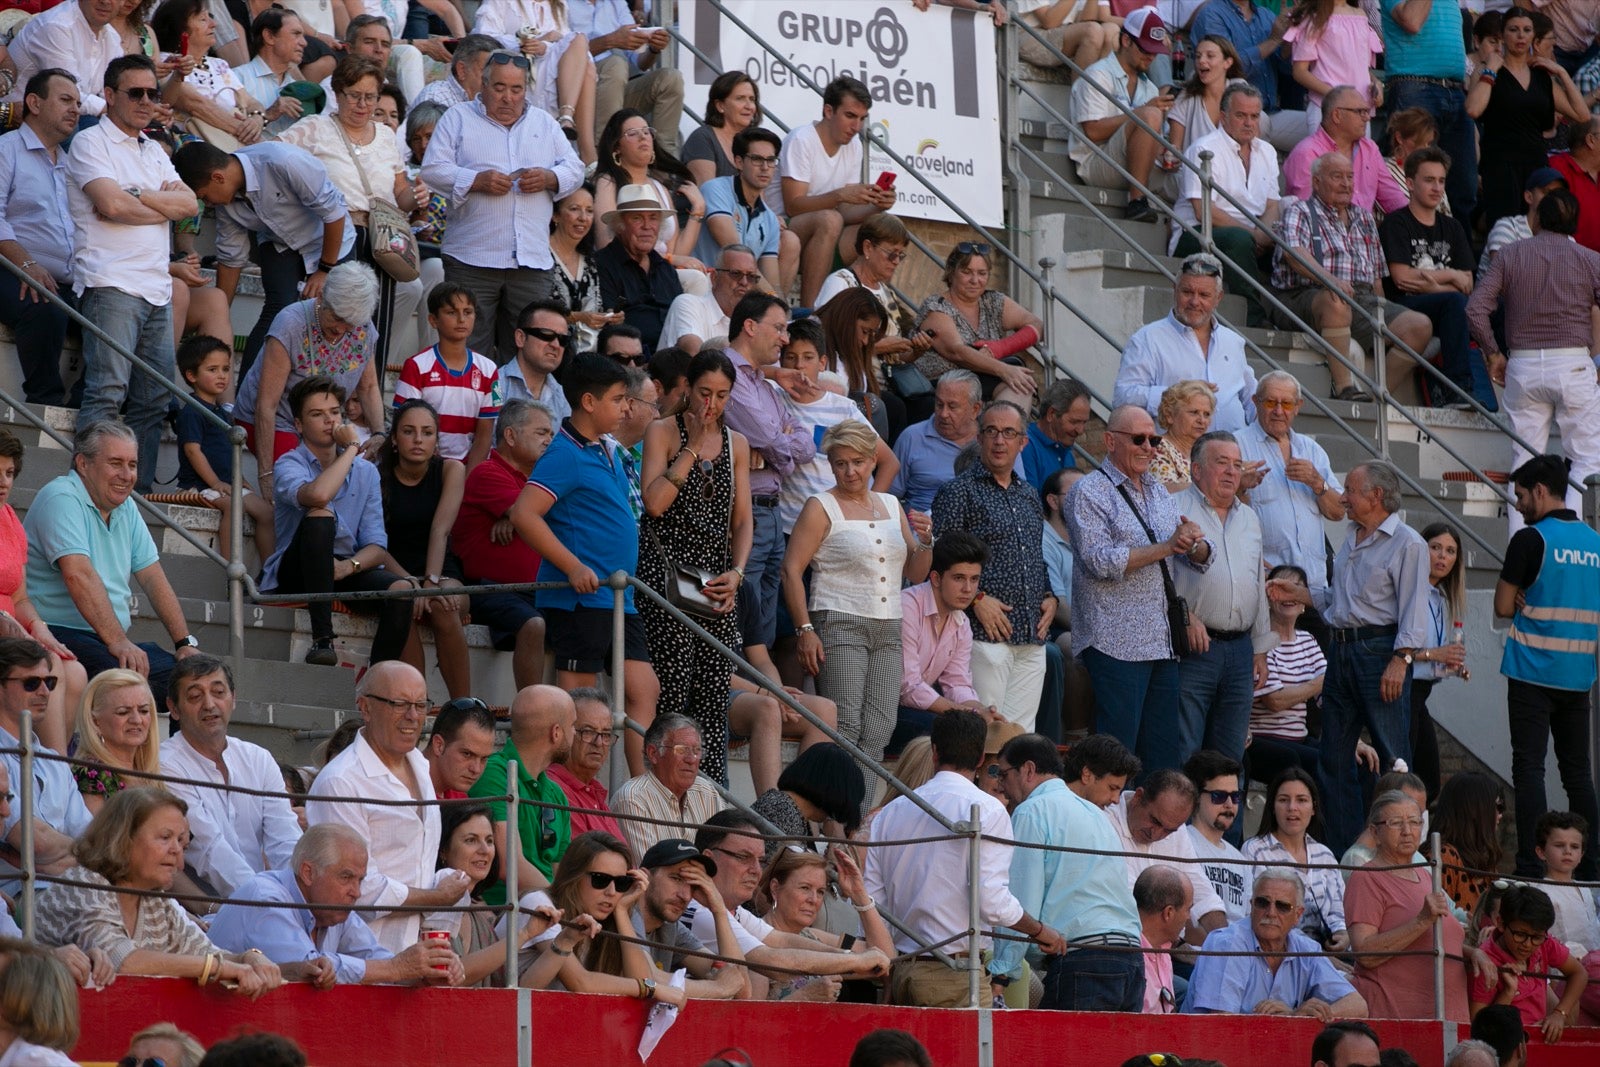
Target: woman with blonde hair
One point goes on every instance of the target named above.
(38, 1007)
(166, 1043)
(117, 727)
(1185, 413)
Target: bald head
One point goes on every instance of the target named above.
(390, 672)
(1130, 418)
(541, 725)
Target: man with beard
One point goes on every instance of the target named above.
(681, 874)
(1217, 777)
(541, 734)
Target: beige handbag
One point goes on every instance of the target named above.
(394, 246)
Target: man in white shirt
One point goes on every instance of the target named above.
(1099, 121)
(926, 884)
(728, 835)
(1245, 167)
(1150, 820)
(694, 318)
(501, 164)
(818, 184)
(673, 789)
(232, 836)
(1219, 781)
(383, 764)
(74, 36)
(125, 195)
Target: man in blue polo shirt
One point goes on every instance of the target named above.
(1425, 58)
(574, 512)
(85, 541)
(1063, 416)
(736, 214)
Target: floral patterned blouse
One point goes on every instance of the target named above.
(98, 781)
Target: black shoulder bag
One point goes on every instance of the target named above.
(1177, 607)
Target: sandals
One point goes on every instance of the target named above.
(568, 127)
(1354, 394)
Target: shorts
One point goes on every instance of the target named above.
(505, 614)
(579, 640)
(1300, 302)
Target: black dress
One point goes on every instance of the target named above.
(408, 512)
(1513, 144)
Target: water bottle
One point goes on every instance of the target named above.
(1458, 638)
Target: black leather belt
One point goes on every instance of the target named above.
(1447, 83)
(1226, 635)
(1348, 634)
(765, 500)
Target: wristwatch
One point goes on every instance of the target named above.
(187, 641)
(1407, 654)
(649, 988)
(135, 192)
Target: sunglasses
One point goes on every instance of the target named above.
(501, 58)
(973, 248)
(641, 360)
(1282, 907)
(139, 92)
(1221, 796)
(134, 1061)
(623, 882)
(463, 704)
(1204, 266)
(1140, 439)
(32, 684)
(548, 336)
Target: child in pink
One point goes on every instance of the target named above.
(1528, 958)
(1333, 44)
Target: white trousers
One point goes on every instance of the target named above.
(1559, 385)
(1009, 678)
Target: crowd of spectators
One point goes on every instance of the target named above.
(879, 505)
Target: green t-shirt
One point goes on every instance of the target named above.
(545, 832)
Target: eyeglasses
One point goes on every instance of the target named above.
(686, 751)
(973, 248)
(994, 770)
(1140, 439)
(641, 132)
(548, 336)
(6, 798)
(1278, 405)
(139, 92)
(418, 706)
(1206, 266)
(749, 277)
(1005, 433)
(1222, 796)
(547, 827)
(134, 1061)
(1364, 112)
(31, 683)
(361, 98)
(895, 256)
(623, 882)
(589, 736)
(1282, 907)
(499, 59)
(1525, 937)
(762, 161)
(746, 859)
(1401, 824)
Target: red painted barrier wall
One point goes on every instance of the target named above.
(392, 1027)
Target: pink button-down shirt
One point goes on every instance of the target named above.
(931, 658)
(1375, 184)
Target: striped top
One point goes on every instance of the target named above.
(1291, 663)
(461, 397)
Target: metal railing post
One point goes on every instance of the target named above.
(1205, 202)
(509, 860)
(236, 567)
(1437, 869)
(25, 793)
(619, 590)
(974, 939)
(1046, 289)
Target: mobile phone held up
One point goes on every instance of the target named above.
(886, 180)
(183, 44)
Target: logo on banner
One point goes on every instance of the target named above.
(887, 38)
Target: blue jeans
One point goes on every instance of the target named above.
(758, 596)
(1448, 313)
(1457, 135)
(1137, 703)
(111, 386)
(1351, 700)
(1094, 979)
(910, 724)
(1215, 690)
(96, 657)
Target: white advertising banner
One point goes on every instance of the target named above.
(931, 74)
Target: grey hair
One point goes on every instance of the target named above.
(1198, 449)
(472, 46)
(1278, 377)
(514, 415)
(322, 843)
(1382, 476)
(1281, 874)
(736, 249)
(424, 115)
(667, 724)
(1332, 98)
(638, 377)
(966, 378)
(89, 439)
(1158, 888)
(351, 292)
(1322, 162)
(1238, 89)
(591, 693)
(1383, 802)
(1001, 405)
(527, 73)
(1062, 394)
(1465, 1049)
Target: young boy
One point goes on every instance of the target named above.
(1560, 837)
(462, 386)
(205, 455)
(574, 512)
(825, 409)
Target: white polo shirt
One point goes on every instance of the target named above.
(118, 255)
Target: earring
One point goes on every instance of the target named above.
(615, 161)
(652, 158)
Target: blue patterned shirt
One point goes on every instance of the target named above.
(1010, 520)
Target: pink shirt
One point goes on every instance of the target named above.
(1374, 183)
(1530, 999)
(1344, 53)
(1157, 980)
(580, 795)
(929, 658)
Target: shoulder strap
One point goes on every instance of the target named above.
(1166, 575)
(361, 171)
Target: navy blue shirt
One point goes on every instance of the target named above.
(642, 298)
(193, 428)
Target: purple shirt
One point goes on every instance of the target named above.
(1375, 182)
(756, 410)
(929, 657)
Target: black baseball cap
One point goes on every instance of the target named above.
(675, 850)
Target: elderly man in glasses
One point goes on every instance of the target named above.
(1190, 344)
(696, 318)
(1271, 980)
(578, 773)
(1127, 537)
(502, 163)
(672, 790)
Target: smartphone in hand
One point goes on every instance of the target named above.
(886, 180)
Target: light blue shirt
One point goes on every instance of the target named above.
(41, 223)
(1292, 528)
(63, 522)
(287, 199)
(287, 935)
(1222, 17)
(927, 462)
(499, 232)
(357, 508)
(757, 226)
(596, 18)
(1236, 984)
(1058, 561)
(1167, 352)
(1380, 581)
(264, 87)
(56, 801)
(1077, 893)
(513, 386)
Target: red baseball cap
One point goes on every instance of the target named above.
(1147, 29)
